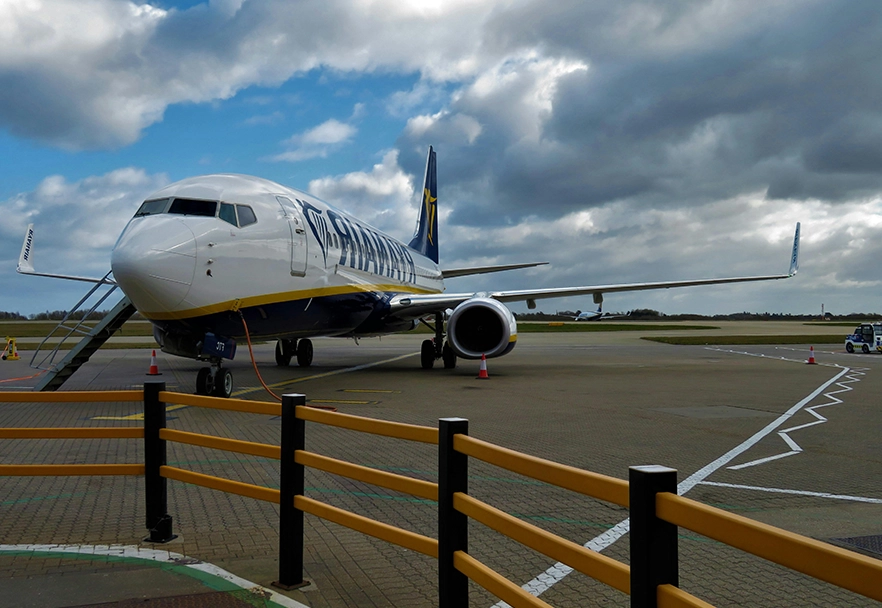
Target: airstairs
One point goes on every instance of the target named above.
(92, 337)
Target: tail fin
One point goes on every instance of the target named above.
(425, 239)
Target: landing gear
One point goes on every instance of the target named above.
(304, 353)
(448, 356)
(204, 381)
(214, 381)
(285, 349)
(427, 354)
(439, 348)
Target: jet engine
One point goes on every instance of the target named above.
(481, 326)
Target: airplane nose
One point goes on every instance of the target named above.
(154, 263)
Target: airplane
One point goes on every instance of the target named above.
(216, 259)
(595, 315)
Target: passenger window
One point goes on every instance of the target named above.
(246, 215)
(152, 207)
(190, 206)
(228, 213)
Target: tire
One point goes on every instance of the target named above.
(223, 383)
(865, 349)
(304, 353)
(849, 347)
(283, 355)
(204, 384)
(427, 354)
(448, 356)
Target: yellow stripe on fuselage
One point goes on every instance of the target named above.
(275, 298)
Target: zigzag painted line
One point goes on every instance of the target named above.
(852, 377)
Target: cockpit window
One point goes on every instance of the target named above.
(192, 206)
(237, 215)
(228, 213)
(246, 215)
(152, 207)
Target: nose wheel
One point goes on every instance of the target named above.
(214, 381)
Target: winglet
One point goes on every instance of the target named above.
(794, 257)
(425, 239)
(25, 266)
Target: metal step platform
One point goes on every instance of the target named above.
(93, 338)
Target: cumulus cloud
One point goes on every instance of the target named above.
(317, 142)
(76, 223)
(94, 74)
(384, 197)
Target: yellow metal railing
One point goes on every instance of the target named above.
(391, 481)
(71, 396)
(495, 583)
(823, 561)
(218, 403)
(397, 430)
(669, 596)
(597, 566)
(220, 443)
(591, 484)
(398, 536)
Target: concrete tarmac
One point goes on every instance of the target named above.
(599, 401)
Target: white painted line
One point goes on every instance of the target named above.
(754, 463)
(135, 552)
(557, 572)
(762, 356)
(793, 445)
(736, 486)
(785, 434)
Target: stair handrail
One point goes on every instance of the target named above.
(71, 330)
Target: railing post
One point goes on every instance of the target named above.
(653, 541)
(290, 485)
(453, 532)
(159, 522)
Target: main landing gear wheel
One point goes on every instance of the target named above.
(427, 354)
(865, 349)
(849, 347)
(304, 353)
(448, 356)
(285, 349)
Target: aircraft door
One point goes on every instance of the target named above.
(298, 235)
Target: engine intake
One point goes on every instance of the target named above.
(482, 326)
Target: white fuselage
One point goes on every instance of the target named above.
(194, 267)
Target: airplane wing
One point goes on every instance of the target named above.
(25, 266)
(464, 272)
(405, 305)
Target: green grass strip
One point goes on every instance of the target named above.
(741, 340)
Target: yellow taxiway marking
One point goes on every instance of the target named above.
(368, 390)
(336, 372)
(138, 416)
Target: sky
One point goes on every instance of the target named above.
(620, 141)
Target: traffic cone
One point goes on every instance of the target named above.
(154, 369)
(811, 360)
(482, 374)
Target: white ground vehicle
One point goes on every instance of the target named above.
(866, 338)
